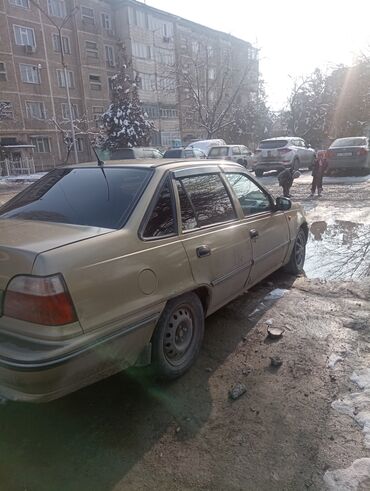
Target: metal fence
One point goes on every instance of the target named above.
(19, 167)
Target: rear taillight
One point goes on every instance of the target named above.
(40, 300)
(284, 150)
(361, 152)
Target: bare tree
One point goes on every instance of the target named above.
(210, 89)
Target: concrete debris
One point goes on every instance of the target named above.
(237, 391)
(275, 332)
(276, 361)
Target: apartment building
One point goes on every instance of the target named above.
(33, 85)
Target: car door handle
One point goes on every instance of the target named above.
(203, 251)
(253, 233)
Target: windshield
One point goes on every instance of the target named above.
(98, 197)
(176, 153)
(267, 144)
(349, 142)
(218, 152)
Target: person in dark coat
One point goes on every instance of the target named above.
(285, 179)
(318, 171)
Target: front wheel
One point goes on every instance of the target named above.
(259, 172)
(296, 262)
(177, 339)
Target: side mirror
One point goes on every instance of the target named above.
(283, 204)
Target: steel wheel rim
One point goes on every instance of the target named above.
(178, 335)
(300, 250)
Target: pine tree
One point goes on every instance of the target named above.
(125, 123)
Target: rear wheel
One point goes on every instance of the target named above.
(177, 339)
(296, 262)
(296, 164)
(259, 172)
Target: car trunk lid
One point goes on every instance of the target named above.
(21, 241)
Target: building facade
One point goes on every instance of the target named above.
(160, 45)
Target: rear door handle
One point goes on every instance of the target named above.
(253, 233)
(203, 251)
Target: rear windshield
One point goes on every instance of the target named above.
(218, 152)
(177, 153)
(98, 197)
(272, 144)
(122, 154)
(349, 142)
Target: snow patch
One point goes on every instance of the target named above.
(7, 180)
(333, 360)
(276, 294)
(362, 378)
(349, 479)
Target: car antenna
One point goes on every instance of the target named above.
(99, 160)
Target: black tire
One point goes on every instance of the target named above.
(296, 164)
(296, 262)
(178, 336)
(258, 172)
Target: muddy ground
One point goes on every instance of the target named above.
(129, 433)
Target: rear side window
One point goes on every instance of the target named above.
(209, 198)
(99, 197)
(349, 142)
(162, 218)
(218, 152)
(173, 154)
(269, 144)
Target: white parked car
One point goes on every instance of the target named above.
(280, 153)
(236, 153)
(205, 145)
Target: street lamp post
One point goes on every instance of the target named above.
(64, 65)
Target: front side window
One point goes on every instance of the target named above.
(218, 152)
(188, 216)
(30, 74)
(24, 36)
(162, 219)
(209, 199)
(236, 151)
(251, 198)
(96, 197)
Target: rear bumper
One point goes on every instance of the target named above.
(361, 163)
(43, 373)
(267, 166)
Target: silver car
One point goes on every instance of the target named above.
(280, 153)
(349, 154)
(234, 153)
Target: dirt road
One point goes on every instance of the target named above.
(296, 426)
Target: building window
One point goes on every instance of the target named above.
(62, 80)
(3, 76)
(41, 143)
(35, 110)
(141, 50)
(166, 84)
(165, 56)
(109, 55)
(24, 36)
(106, 21)
(210, 51)
(57, 8)
(20, 3)
(168, 113)
(65, 44)
(168, 138)
(30, 74)
(7, 109)
(87, 15)
(151, 111)
(147, 82)
(97, 112)
(195, 47)
(95, 82)
(91, 49)
(65, 111)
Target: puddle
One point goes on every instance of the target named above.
(338, 249)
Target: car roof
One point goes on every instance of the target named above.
(166, 164)
(282, 138)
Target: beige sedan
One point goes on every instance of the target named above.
(107, 266)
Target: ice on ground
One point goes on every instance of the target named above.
(362, 378)
(349, 479)
(333, 360)
(357, 404)
(276, 294)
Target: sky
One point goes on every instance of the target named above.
(293, 37)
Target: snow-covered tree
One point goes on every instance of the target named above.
(125, 123)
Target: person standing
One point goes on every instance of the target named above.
(285, 179)
(318, 171)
